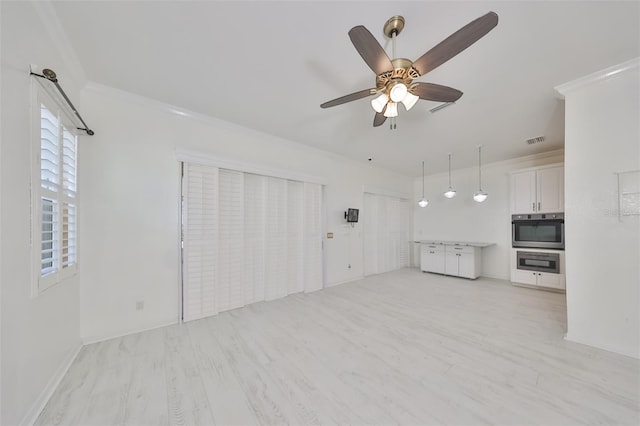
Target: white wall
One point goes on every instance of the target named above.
(603, 253)
(39, 335)
(129, 217)
(462, 219)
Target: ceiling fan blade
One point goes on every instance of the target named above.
(379, 118)
(456, 43)
(370, 50)
(435, 92)
(348, 98)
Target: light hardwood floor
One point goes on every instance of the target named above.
(398, 348)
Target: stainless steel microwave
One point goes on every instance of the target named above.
(542, 230)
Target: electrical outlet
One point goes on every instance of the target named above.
(139, 305)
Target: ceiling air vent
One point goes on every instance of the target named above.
(535, 140)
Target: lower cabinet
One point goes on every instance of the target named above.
(460, 261)
(538, 278)
(432, 258)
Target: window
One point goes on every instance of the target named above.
(54, 191)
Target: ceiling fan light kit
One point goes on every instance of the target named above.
(391, 110)
(394, 77)
(379, 103)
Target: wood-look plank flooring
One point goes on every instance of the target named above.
(398, 348)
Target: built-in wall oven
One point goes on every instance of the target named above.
(542, 230)
(538, 261)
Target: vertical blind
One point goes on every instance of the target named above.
(386, 233)
(247, 238)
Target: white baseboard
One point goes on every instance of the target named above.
(632, 353)
(344, 282)
(40, 402)
(88, 340)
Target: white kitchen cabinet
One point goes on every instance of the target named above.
(462, 261)
(456, 258)
(539, 279)
(536, 278)
(432, 258)
(538, 190)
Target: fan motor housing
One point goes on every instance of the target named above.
(403, 72)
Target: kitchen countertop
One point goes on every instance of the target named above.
(455, 243)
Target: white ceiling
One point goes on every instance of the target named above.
(269, 65)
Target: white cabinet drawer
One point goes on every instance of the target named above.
(459, 249)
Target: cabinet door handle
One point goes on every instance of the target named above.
(539, 206)
(533, 206)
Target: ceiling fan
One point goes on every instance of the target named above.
(394, 77)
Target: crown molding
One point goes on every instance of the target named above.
(54, 29)
(597, 77)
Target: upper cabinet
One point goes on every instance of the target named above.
(538, 190)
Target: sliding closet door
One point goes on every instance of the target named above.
(369, 217)
(295, 237)
(247, 238)
(231, 292)
(255, 196)
(200, 241)
(386, 233)
(312, 225)
(276, 227)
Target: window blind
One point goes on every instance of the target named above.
(55, 241)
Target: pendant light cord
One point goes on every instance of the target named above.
(479, 167)
(449, 170)
(423, 179)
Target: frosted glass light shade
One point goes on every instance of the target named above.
(410, 100)
(398, 92)
(480, 196)
(379, 102)
(423, 202)
(450, 193)
(392, 110)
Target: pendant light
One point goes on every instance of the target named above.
(479, 196)
(450, 192)
(423, 201)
